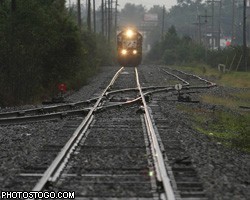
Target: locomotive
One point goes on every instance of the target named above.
(129, 48)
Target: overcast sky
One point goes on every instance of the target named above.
(147, 3)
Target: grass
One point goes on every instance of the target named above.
(233, 101)
(230, 79)
(228, 128)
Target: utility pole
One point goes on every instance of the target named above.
(233, 22)
(89, 15)
(201, 23)
(219, 31)
(199, 28)
(79, 13)
(94, 17)
(163, 22)
(244, 36)
(102, 8)
(106, 19)
(206, 44)
(109, 19)
(213, 24)
(218, 37)
(116, 4)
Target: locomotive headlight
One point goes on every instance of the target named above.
(124, 52)
(134, 52)
(129, 33)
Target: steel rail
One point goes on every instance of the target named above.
(80, 112)
(54, 170)
(198, 77)
(157, 154)
(186, 83)
(45, 110)
(136, 89)
(51, 116)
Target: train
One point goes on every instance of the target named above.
(129, 47)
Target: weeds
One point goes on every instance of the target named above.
(229, 128)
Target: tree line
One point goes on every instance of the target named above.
(177, 50)
(42, 46)
(174, 49)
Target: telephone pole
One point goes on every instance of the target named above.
(116, 5)
(219, 22)
(212, 24)
(199, 23)
(79, 13)
(89, 15)
(244, 35)
(219, 31)
(94, 17)
(233, 22)
(109, 19)
(102, 8)
(106, 19)
(163, 23)
(199, 28)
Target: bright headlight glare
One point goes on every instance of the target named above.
(124, 52)
(134, 52)
(129, 33)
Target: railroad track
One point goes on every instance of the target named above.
(79, 108)
(196, 80)
(117, 152)
(123, 176)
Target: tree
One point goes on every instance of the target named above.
(132, 15)
(42, 47)
(176, 50)
(184, 15)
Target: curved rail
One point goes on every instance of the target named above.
(198, 77)
(161, 170)
(186, 83)
(45, 111)
(54, 170)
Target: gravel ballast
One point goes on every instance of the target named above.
(223, 171)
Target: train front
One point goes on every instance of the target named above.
(129, 48)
